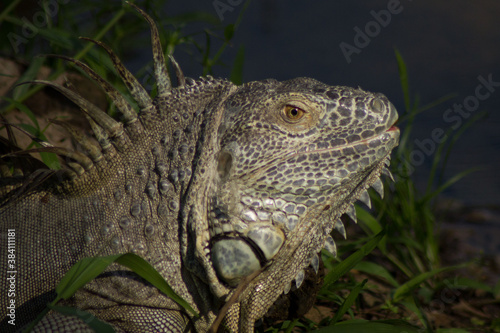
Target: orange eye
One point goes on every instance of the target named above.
(293, 113)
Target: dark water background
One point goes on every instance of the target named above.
(446, 45)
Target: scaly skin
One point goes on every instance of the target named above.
(210, 183)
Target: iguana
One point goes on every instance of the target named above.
(210, 182)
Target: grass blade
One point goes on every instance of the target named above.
(403, 76)
(88, 269)
(237, 70)
(347, 264)
(349, 301)
(142, 268)
(29, 74)
(411, 285)
(374, 269)
(82, 272)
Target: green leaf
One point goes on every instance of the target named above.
(24, 109)
(237, 70)
(89, 319)
(403, 76)
(88, 269)
(449, 183)
(229, 32)
(30, 129)
(146, 271)
(349, 301)
(461, 282)
(411, 285)
(368, 220)
(28, 75)
(374, 269)
(61, 38)
(82, 272)
(291, 325)
(347, 264)
(8, 9)
(49, 159)
(496, 289)
(78, 275)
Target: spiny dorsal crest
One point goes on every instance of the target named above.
(112, 136)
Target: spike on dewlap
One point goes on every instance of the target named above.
(351, 212)
(330, 245)
(388, 174)
(378, 186)
(365, 198)
(315, 262)
(339, 227)
(299, 278)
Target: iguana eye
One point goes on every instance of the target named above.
(292, 113)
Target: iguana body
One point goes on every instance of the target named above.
(210, 183)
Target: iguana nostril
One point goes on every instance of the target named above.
(377, 105)
(393, 114)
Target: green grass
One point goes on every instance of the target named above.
(400, 244)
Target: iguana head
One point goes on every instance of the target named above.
(293, 158)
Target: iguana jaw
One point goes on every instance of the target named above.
(249, 238)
